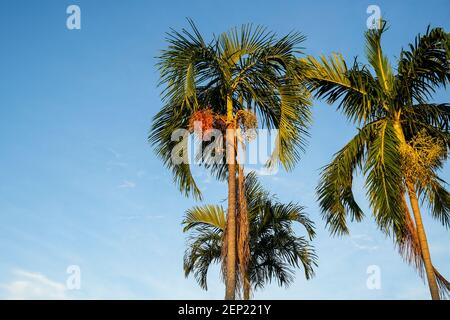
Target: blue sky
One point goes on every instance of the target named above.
(80, 185)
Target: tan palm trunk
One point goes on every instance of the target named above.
(429, 269)
(242, 228)
(230, 282)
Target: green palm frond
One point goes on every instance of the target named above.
(335, 194)
(278, 215)
(355, 89)
(424, 66)
(378, 60)
(206, 224)
(383, 170)
(165, 123)
(434, 119)
(436, 115)
(292, 123)
(187, 58)
(202, 251)
(209, 215)
(439, 200)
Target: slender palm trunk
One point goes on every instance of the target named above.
(432, 283)
(429, 269)
(230, 282)
(243, 249)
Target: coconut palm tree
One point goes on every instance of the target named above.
(275, 249)
(402, 142)
(246, 75)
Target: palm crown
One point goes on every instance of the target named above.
(245, 69)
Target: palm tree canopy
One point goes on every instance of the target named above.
(275, 250)
(375, 98)
(254, 68)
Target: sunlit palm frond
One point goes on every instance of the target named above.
(357, 92)
(378, 60)
(384, 174)
(207, 215)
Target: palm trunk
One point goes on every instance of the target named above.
(429, 269)
(410, 250)
(243, 235)
(230, 282)
(432, 283)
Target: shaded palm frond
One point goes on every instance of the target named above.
(424, 65)
(334, 191)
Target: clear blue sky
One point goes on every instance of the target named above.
(80, 185)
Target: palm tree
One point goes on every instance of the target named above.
(275, 249)
(245, 73)
(402, 142)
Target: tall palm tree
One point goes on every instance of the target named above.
(275, 249)
(245, 71)
(401, 143)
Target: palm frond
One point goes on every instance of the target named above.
(439, 200)
(334, 191)
(165, 123)
(202, 251)
(210, 215)
(378, 60)
(383, 172)
(424, 65)
(357, 92)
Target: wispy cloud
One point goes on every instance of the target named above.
(127, 184)
(115, 153)
(32, 285)
(364, 242)
(116, 161)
